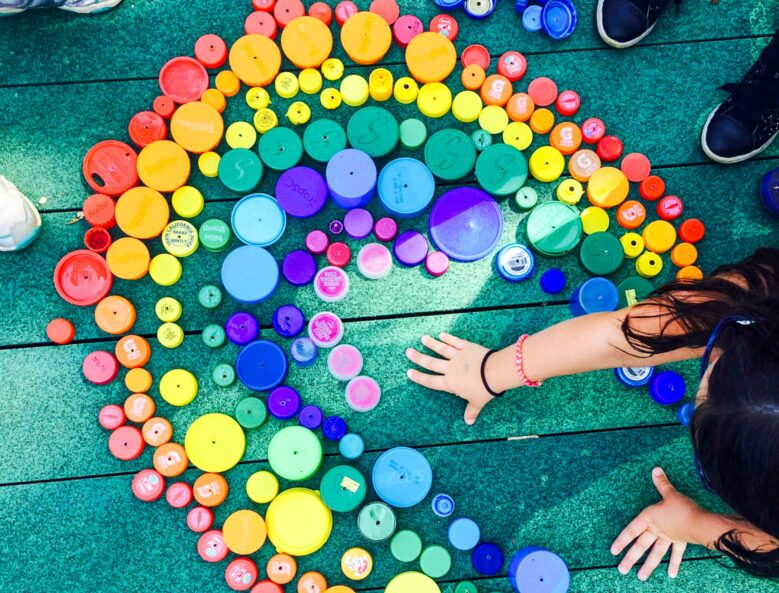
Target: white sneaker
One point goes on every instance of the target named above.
(10, 7)
(20, 221)
(89, 6)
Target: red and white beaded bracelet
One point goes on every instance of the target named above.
(520, 370)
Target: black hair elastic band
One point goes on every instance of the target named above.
(484, 375)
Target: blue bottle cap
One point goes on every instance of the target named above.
(448, 4)
(334, 428)
(443, 505)
(250, 274)
(303, 352)
(351, 178)
(769, 191)
(310, 417)
(515, 262)
(667, 388)
(402, 477)
(479, 9)
(558, 18)
(487, 559)
(283, 402)
(553, 281)
(594, 296)
(351, 446)
(531, 18)
(685, 413)
(261, 365)
(536, 570)
(299, 267)
(405, 187)
(258, 219)
(464, 534)
(634, 376)
(288, 321)
(521, 5)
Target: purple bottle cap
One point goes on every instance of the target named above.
(358, 223)
(299, 267)
(466, 224)
(410, 248)
(310, 417)
(288, 321)
(351, 178)
(437, 263)
(284, 402)
(334, 428)
(336, 227)
(386, 229)
(301, 192)
(242, 328)
(317, 242)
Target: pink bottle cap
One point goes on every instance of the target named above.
(406, 28)
(317, 242)
(363, 394)
(326, 329)
(437, 263)
(344, 362)
(331, 284)
(100, 367)
(148, 485)
(111, 417)
(241, 574)
(200, 519)
(211, 546)
(179, 495)
(386, 229)
(374, 261)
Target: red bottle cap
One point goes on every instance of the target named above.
(692, 230)
(568, 103)
(99, 210)
(321, 11)
(147, 127)
(60, 331)
(446, 25)
(261, 23)
(651, 188)
(211, 51)
(345, 9)
(609, 148)
(339, 254)
(97, 240)
(593, 130)
(670, 208)
(286, 11)
(164, 106)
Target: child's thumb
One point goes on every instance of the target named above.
(472, 412)
(662, 483)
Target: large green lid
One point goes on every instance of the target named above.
(240, 170)
(435, 561)
(501, 169)
(251, 412)
(450, 154)
(343, 488)
(406, 546)
(601, 254)
(280, 148)
(295, 453)
(554, 228)
(323, 138)
(374, 130)
(637, 286)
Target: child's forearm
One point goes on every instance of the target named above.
(578, 345)
(709, 527)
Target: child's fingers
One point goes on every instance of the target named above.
(635, 528)
(636, 551)
(436, 382)
(439, 348)
(653, 560)
(472, 412)
(677, 553)
(436, 365)
(453, 341)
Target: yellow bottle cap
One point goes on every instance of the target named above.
(197, 127)
(684, 254)
(518, 134)
(310, 81)
(163, 165)
(170, 335)
(180, 238)
(434, 99)
(380, 84)
(649, 264)
(179, 387)
(412, 581)
(542, 121)
(354, 90)
(215, 98)
(299, 113)
(241, 135)
(406, 90)
(255, 59)
(594, 220)
(208, 163)
(330, 98)
(299, 523)
(608, 187)
(546, 164)
(286, 85)
(244, 531)
(265, 119)
(332, 69)
(659, 236)
(138, 380)
(228, 83)
(141, 212)
(467, 106)
(257, 98)
(262, 487)
(187, 201)
(167, 310)
(632, 245)
(570, 191)
(493, 119)
(128, 258)
(165, 269)
(214, 442)
(357, 563)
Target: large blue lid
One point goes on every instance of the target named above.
(558, 18)
(261, 365)
(402, 477)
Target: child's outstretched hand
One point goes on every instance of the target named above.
(661, 527)
(458, 372)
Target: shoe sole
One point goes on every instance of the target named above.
(93, 9)
(11, 11)
(729, 160)
(614, 42)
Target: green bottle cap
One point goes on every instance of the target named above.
(214, 234)
(343, 488)
(413, 133)
(466, 587)
(223, 374)
(554, 228)
(240, 170)
(323, 138)
(601, 254)
(210, 296)
(295, 453)
(450, 154)
(376, 522)
(281, 149)
(406, 546)
(435, 561)
(501, 169)
(526, 198)
(635, 287)
(374, 130)
(481, 139)
(213, 335)
(251, 412)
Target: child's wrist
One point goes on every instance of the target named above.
(500, 370)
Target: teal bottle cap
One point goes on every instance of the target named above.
(635, 287)
(554, 229)
(466, 587)
(214, 234)
(374, 130)
(601, 254)
(501, 169)
(213, 335)
(376, 522)
(413, 133)
(343, 488)
(295, 453)
(223, 374)
(210, 296)
(526, 198)
(450, 154)
(251, 412)
(481, 139)
(435, 561)
(240, 170)
(323, 138)
(406, 546)
(280, 148)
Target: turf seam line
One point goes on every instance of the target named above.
(353, 67)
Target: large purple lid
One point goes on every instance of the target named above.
(410, 248)
(301, 191)
(466, 224)
(351, 178)
(299, 267)
(358, 223)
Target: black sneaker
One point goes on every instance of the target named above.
(622, 23)
(746, 123)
